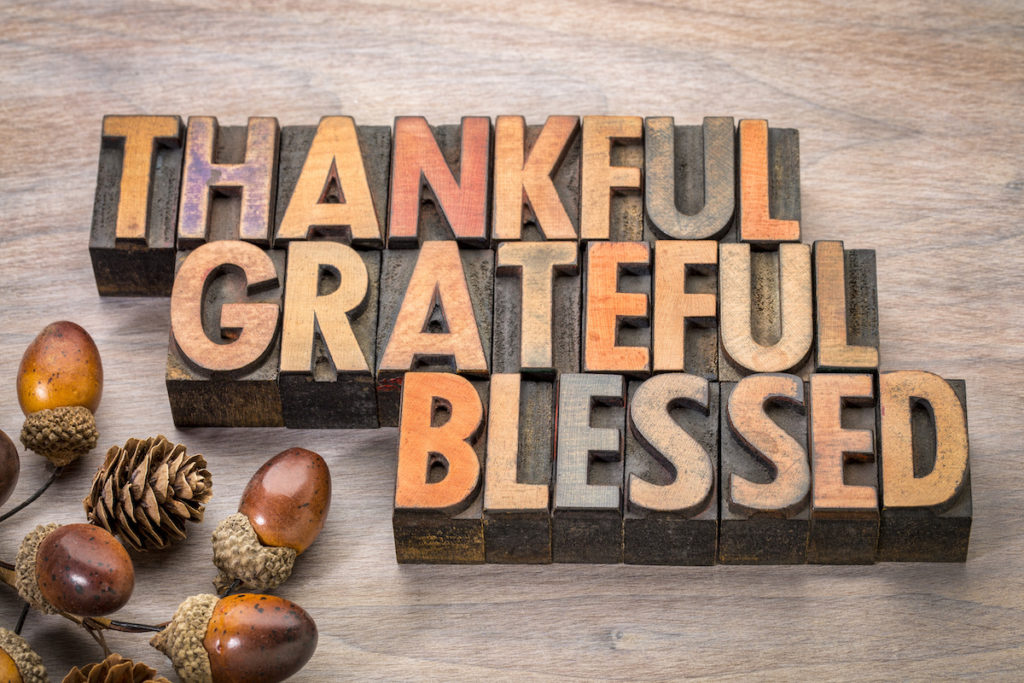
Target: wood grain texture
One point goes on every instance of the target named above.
(910, 143)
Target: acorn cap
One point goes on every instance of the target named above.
(238, 554)
(30, 665)
(114, 669)
(182, 638)
(60, 435)
(25, 569)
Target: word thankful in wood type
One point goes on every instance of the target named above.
(600, 336)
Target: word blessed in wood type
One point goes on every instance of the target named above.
(601, 338)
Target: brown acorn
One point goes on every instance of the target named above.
(10, 467)
(19, 663)
(114, 669)
(60, 383)
(282, 510)
(78, 568)
(237, 639)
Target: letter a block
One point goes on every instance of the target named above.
(925, 468)
(224, 354)
(438, 507)
(135, 213)
(766, 477)
(671, 514)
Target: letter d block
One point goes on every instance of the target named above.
(135, 213)
(925, 468)
(222, 364)
(671, 480)
(766, 476)
(438, 507)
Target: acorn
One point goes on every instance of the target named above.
(19, 663)
(10, 467)
(282, 511)
(236, 639)
(60, 382)
(78, 568)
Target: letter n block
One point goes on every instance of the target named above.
(135, 213)
(222, 363)
(438, 507)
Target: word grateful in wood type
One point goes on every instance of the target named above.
(135, 212)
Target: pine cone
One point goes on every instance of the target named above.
(115, 669)
(146, 491)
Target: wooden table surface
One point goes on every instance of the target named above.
(910, 136)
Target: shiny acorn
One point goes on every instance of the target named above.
(83, 570)
(288, 498)
(19, 663)
(10, 468)
(240, 638)
(282, 511)
(61, 367)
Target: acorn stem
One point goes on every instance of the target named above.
(28, 501)
(21, 619)
(231, 589)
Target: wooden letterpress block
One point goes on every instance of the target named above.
(520, 440)
(844, 487)
(229, 182)
(536, 308)
(438, 514)
(536, 179)
(689, 178)
(586, 522)
(333, 182)
(328, 337)
(612, 207)
(769, 183)
(766, 316)
(685, 330)
(222, 363)
(846, 316)
(925, 468)
(765, 475)
(135, 213)
(671, 514)
(440, 182)
(616, 318)
(435, 316)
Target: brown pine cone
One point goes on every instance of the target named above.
(114, 669)
(146, 491)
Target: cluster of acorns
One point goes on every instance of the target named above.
(144, 492)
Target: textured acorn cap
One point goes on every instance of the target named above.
(30, 665)
(238, 554)
(114, 669)
(182, 639)
(60, 435)
(25, 569)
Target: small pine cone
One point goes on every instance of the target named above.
(182, 639)
(60, 434)
(26, 661)
(238, 554)
(115, 669)
(145, 491)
